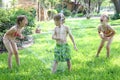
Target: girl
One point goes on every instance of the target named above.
(9, 39)
(106, 33)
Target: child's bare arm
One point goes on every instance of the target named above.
(20, 34)
(99, 32)
(112, 32)
(71, 37)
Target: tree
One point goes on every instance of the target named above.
(99, 5)
(0, 3)
(117, 5)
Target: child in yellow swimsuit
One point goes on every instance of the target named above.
(106, 33)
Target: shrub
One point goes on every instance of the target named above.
(58, 7)
(79, 15)
(51, 13)
(4, 25)
(4, 20)
(67, 12)
(116, 16)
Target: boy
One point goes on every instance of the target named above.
(62, 50)
(106, 34)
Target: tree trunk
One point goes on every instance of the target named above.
(89, 3)
(117, 5)
(38, 11)
(99, 5)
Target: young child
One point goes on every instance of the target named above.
(62, 50)
(106, 33)
(9, 39)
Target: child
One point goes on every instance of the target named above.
(106, 33)
(9, 39)
(62, 50)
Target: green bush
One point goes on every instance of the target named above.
(67, 12)
(58, 7)
(79, 15)
(116, 16)
(4, 20)
(4, 25)
(51, 13)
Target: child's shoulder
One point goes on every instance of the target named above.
(108, 25)
(66, 27)
(99, 26)
(13, 28)
(55, 27)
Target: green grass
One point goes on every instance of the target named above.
(37, 60)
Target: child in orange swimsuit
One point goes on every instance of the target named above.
(9, 39)
(106, 33)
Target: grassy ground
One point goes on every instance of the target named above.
(37, 60)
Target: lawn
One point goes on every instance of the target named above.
(37, 60)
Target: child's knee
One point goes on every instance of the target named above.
(9, 55)
(107, 46)
(16, 53)
(101, 46)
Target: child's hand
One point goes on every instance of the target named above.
(75, 48)
(105, 38)
(22, 37)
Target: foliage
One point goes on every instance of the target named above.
(66, 12)
(79, 15)
(4, 20)
(51, 13)
(58, 7)
(115, 17)
(48, 3)
(37, 60)
(4, 25)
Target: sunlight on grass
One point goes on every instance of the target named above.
(115, 61)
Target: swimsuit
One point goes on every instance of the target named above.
(62, 52)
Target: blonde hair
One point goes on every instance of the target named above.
(59, 17)
(105, 15)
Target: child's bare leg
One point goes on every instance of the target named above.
(16, 53)
(10, 60)
(69, 65)
(17, 58)
(100, 48)
(108, 47)
(9, 48)
(54, 66)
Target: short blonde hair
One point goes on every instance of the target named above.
(59, 17)
(105, 15)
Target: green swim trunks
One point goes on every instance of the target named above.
(62, 52)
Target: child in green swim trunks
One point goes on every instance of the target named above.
(62, 50)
